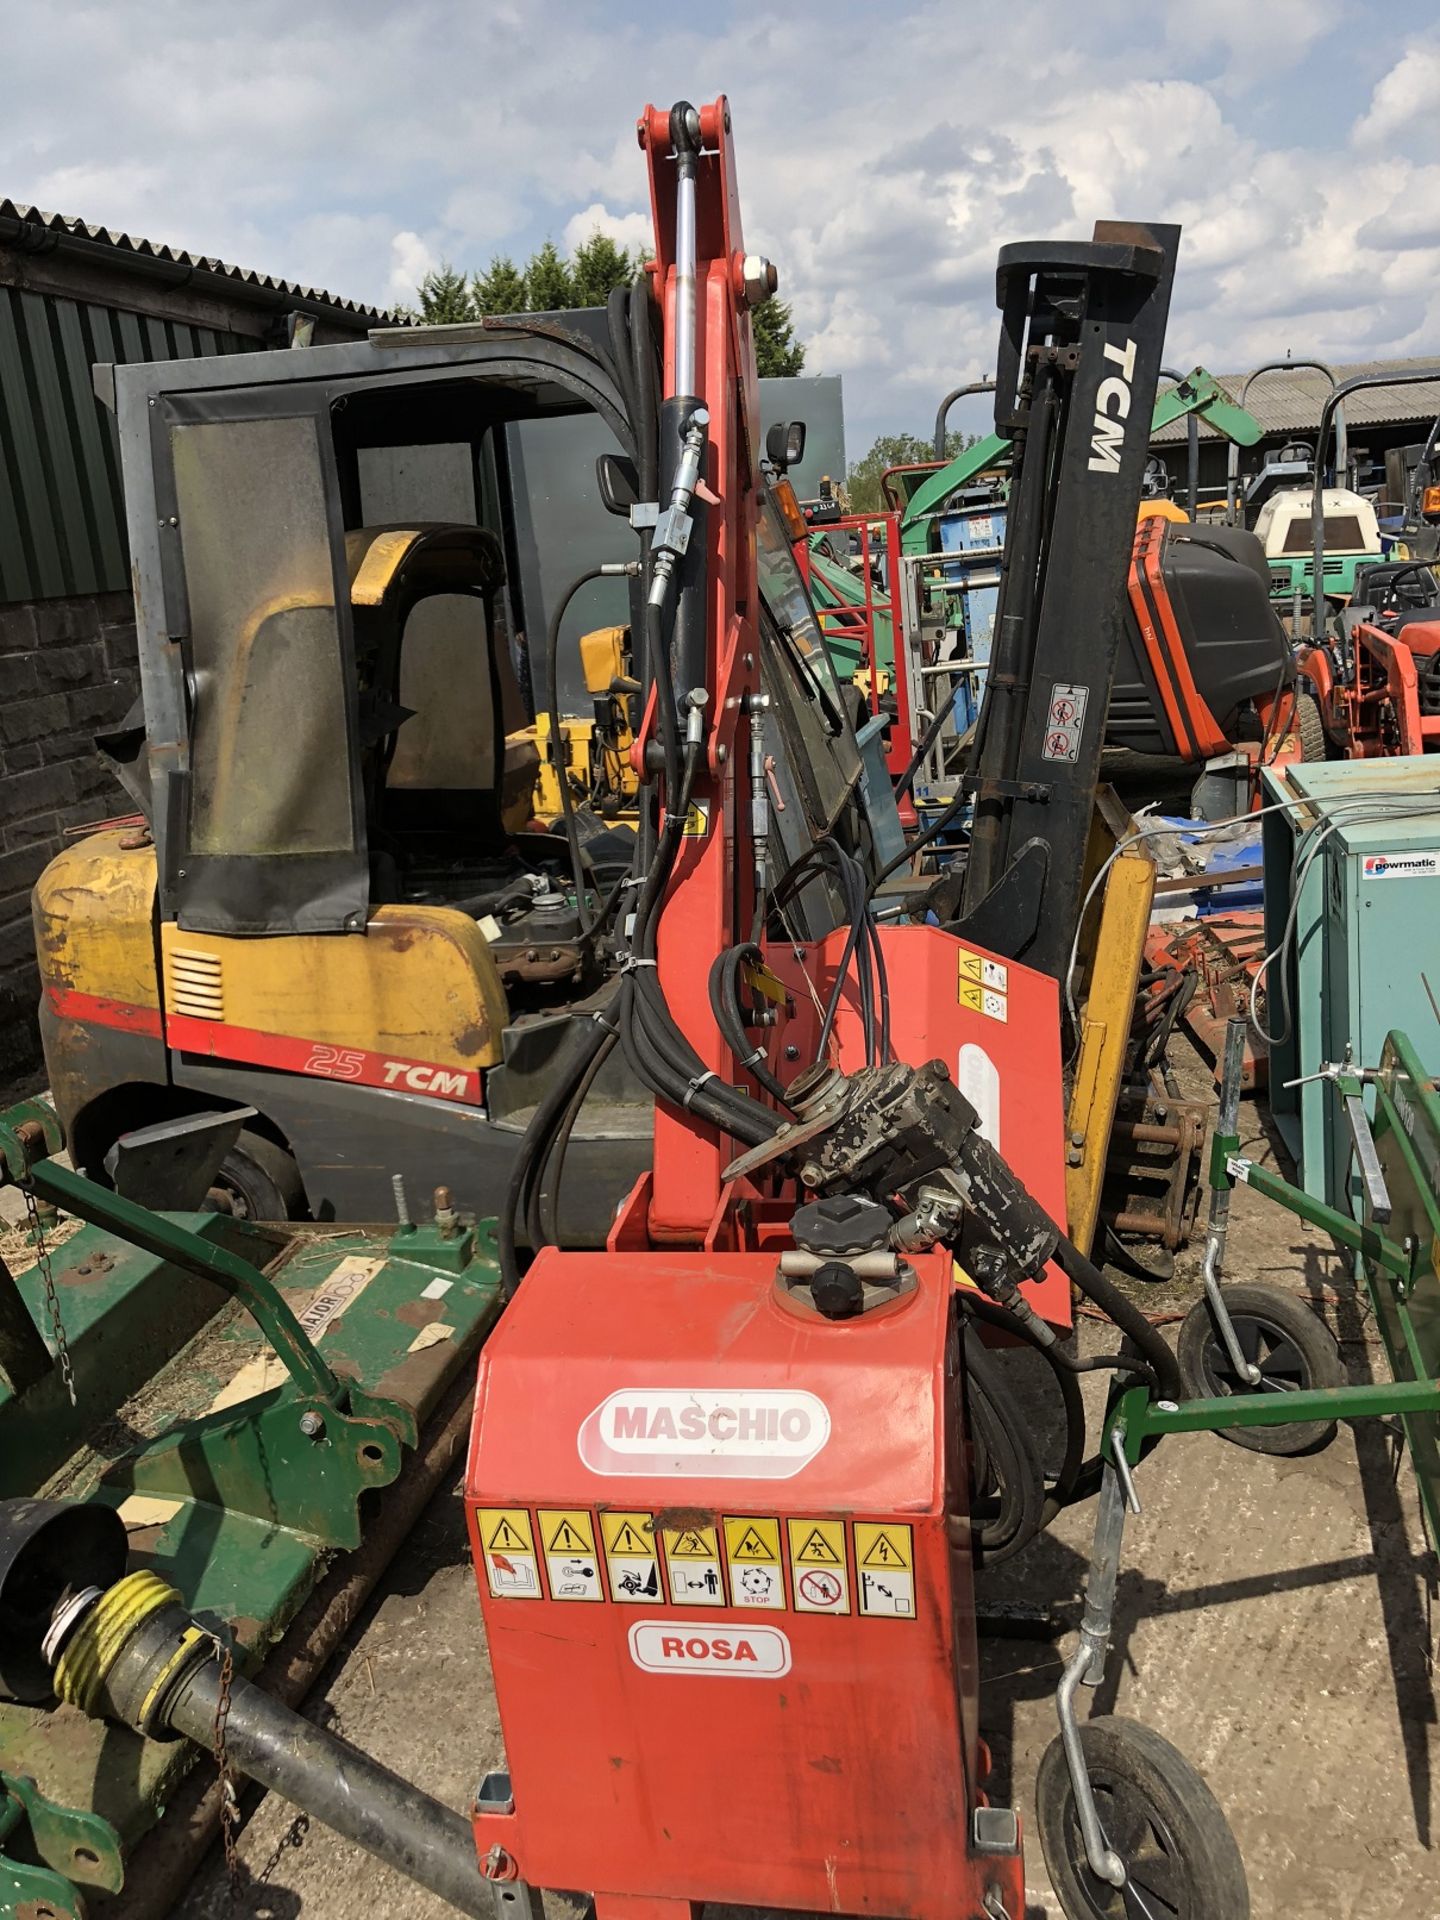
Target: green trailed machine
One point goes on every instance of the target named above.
(266, 1407)
(1261, 1369)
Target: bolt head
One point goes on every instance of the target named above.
(312, 1425)
(758, 279)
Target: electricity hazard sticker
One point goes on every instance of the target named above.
(692, 1560)
(631, 1557)
(817, 1566)
(1065, 722)
(508, 1544)
(885, 1567)
(572, 1565)
(757, 1579)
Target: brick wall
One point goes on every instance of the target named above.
(67, 670)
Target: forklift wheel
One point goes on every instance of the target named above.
(1277, 1333)
(258, 1181)
(1157, 1814)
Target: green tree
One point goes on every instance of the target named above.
(445, 296)
(778, 353)
(549, 287)
(895, 450)
(598, 267)
(501, 288)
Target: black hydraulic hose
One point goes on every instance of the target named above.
(567, 805)
(1003, 1442)
(553, 1171)
(536, 1138)
(1126, 1315)
(1063, 1493)
(730, 1016)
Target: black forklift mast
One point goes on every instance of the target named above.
(1081, 342)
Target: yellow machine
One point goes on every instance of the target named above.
(594, 755)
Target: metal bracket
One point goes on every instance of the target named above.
(79, 1850)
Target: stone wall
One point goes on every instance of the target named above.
(67, 671)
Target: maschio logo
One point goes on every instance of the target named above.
(1401, 866)
(736, 1653)
(723, 1433)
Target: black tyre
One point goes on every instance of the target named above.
(1157, 1814)
(259, 1181)
(1310, 727)
(1279, 1334)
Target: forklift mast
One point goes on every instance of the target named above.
(1082, 333)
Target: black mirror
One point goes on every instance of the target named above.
(785, 444)
(619, 483)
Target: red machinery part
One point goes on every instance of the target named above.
(726, 1575)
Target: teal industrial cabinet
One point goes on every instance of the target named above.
(1352, 895)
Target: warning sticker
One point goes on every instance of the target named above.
(1065, 723)
(508, 1544)
(817, 1566)
(885, 1563)
(757, 1579)
(697, 820)
(572, 1566)
(692, 1560)
(631, 1556)
(983, 984)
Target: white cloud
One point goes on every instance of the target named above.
(883, 159)
(632, 231)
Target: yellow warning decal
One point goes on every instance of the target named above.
(505, 1530)
(747, 1539)
(697, 820)
(691, 1543)
(508, 1543)
(632, 1558)
(817, 1543)
(757, 1578)
(969, 965)
(885, 1564)
(567, 1535)
(693, 1557)
(883, 1546)
(971, 994)
(566, 1530)
(629, 1534)
(818, 1569)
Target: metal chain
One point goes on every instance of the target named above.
(229, 1798)
(52, 1299)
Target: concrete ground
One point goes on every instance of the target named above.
(1274, 1622)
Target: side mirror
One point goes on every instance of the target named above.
(619, 483)
(785, 444)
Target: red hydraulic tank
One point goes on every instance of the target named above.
(724, 1561)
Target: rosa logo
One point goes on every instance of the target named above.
(721, 1433)
(669, 1646)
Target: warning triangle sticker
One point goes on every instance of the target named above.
(565, 1539)
(817, 1550)
(691, 1545)
(628, 1541)
(884, 1553)
(751, 1547)
(508, 1539)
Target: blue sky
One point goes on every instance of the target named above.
(885, 153)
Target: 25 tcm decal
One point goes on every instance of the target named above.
(751, 1433)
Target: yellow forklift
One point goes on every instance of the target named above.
(344, 908)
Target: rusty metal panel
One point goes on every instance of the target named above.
(62, 516)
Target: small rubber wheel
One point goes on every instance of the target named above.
(1279, 1334)
(1310, 727)
(259, 1181)
(1156, 1812)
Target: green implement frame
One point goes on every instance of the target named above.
(1397, 1251)
(257, 1401)
(1397, 1247)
